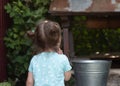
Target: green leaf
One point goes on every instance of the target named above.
(5, 84)
(8, 8)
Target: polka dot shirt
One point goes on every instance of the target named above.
(48, 68)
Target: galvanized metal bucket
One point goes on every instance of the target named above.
(91, 72)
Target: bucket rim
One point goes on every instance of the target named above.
(90, 61)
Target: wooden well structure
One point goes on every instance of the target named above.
(99, 13)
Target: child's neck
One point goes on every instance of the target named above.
(49, 50)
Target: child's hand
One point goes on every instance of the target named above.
(60, 51)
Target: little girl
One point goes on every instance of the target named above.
(48, 67)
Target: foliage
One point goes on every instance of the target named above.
(88, 41)
(24, 15)
(5, 84)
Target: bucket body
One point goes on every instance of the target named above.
(91, 72)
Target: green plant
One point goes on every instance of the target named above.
(24, 15)
(88, 41)
(5, 84)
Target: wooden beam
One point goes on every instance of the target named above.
(65, 26)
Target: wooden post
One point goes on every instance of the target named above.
(65, 26)
(3, 26)
(67, 37)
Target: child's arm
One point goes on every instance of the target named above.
(67, 75)
(30, 80)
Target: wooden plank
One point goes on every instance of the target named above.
(96, 23)
(84, 7)
(111, 22)
(59, 5)
(4, 23)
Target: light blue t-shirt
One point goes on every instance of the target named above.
(48, 68)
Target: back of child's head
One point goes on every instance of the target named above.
(47, 35)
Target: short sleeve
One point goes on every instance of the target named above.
(67, 65)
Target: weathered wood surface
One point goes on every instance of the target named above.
(100, 13)
(85, 6)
